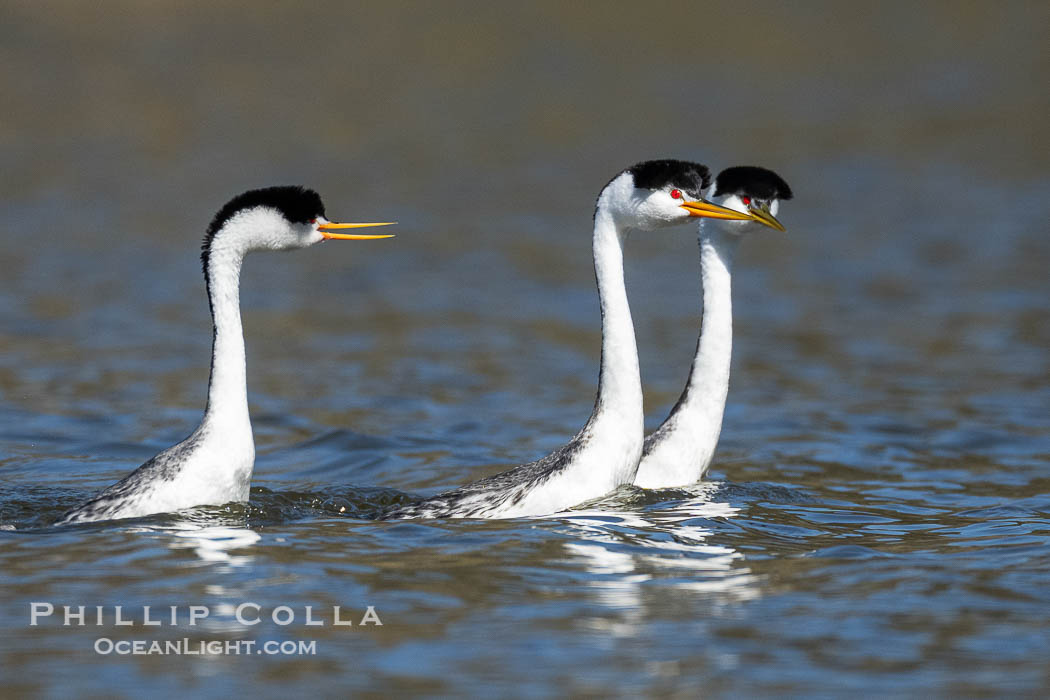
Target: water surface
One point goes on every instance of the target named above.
(878, 516)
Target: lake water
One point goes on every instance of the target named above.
(877, 519)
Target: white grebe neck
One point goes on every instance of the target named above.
(680, 450)
(227, 409)
(619, 400)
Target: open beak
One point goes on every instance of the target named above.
(327, 227)
(714, 211)
(761, 215)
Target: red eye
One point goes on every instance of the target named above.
(746, 201)
(676, 194)
(313, 221)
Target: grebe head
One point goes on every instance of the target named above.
(658, 193)
(756, 191)
(274, 218)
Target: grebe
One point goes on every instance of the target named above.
(214, 464)
(605, 453)
(680, 450)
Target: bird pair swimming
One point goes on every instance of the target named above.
(214, 464)
(611, 450)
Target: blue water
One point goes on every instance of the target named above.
(877, 520)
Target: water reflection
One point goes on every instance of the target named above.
(221, 546)
(215, 544)
(664, 545)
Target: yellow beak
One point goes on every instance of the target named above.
(326, 229)
(714, 211)
(762, 216)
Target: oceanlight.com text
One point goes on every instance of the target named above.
(214, 647)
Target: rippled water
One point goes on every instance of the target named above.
(878, 516)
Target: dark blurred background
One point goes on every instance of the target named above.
(914, 137)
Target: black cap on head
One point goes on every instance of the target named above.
(296, 203)
(751, 181)
(691, 178)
